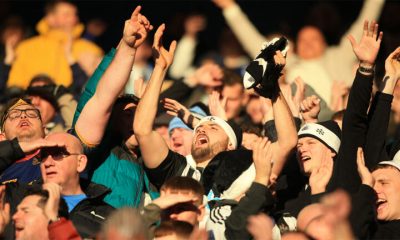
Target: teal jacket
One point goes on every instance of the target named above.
(110, 163)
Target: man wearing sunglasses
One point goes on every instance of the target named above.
(62, 164)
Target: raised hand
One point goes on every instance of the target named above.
(216, 105)
(4, 209)
(320, 177)
(170, 200)
(52, 204)
(162, 57)
(223, 3)
(208, 75)
(365, 174)
(262, 157)
(392, 64)
(30, 147)
(260, 227)
(176, 109)
(368, 47)
(310, 108)
(194, 24)
(136, 29)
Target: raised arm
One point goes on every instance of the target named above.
(91, 124)
(379, 113)
(247, 34)
(152, 146)
(285, 128)
(355, 118)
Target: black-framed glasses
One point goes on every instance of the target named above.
(16, 113)
(57, 153)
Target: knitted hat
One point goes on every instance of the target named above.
(45, 92)
(394, 163)
(327, 132)
(231, 129)
(176, 122)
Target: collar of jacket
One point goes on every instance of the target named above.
(94, 190)
(43, 28)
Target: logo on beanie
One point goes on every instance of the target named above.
(320, 131)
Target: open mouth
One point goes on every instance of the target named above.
(305, 158)
(177, 145)
(24, 124)
(380, 203)
(201, 139)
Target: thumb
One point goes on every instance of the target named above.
(352, 40)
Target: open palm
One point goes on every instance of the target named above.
(368, 47)
(162, 56)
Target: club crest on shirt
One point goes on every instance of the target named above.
(35, 161)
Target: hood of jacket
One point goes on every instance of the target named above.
(43, 28)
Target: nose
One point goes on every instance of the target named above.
(16, 216)
(48, 161)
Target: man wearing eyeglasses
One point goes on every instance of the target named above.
(21, 125)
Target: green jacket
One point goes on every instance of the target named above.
(110, 163)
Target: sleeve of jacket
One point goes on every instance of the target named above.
(256, 199)
(91, 85)
(10, 151)
(363, 213)
(4, 72)
(79, 77)
(345, 174)
(62, 229)
(378, 118)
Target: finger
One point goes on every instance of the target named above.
(223, 102)
(172, 48)
(172, 113)
(380, 37)
(158, 35)
(365, 29)
(7, 209)
(360, 157)
(135, 13)
(371, 28)
(375, 33)
(352, 41)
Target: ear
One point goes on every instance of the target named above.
(230, 146)
(202, 213)
(333, 154)
(245, 98)
(2, 137)
(82, 161)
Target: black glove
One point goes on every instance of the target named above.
(262, 73)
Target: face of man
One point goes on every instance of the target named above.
(387, 187)
(65, 16)
(310, 43)
(23, 122)
(234, 98)
(29, 220)
(47, 110)
(253, 109)
(63, 165)
(310, 154)
(181, 140)
(191, 213)
(208, 140)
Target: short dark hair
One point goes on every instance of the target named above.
(44, 78)
(44, 197)
(180, 183)
(180, 228)
(52, 4)
(231, 78)
(8, 106)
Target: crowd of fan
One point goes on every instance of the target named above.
(290, 145)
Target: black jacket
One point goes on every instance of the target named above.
(10, 151)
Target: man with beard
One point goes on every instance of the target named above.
(215, 159)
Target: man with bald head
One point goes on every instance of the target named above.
(62, 164)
